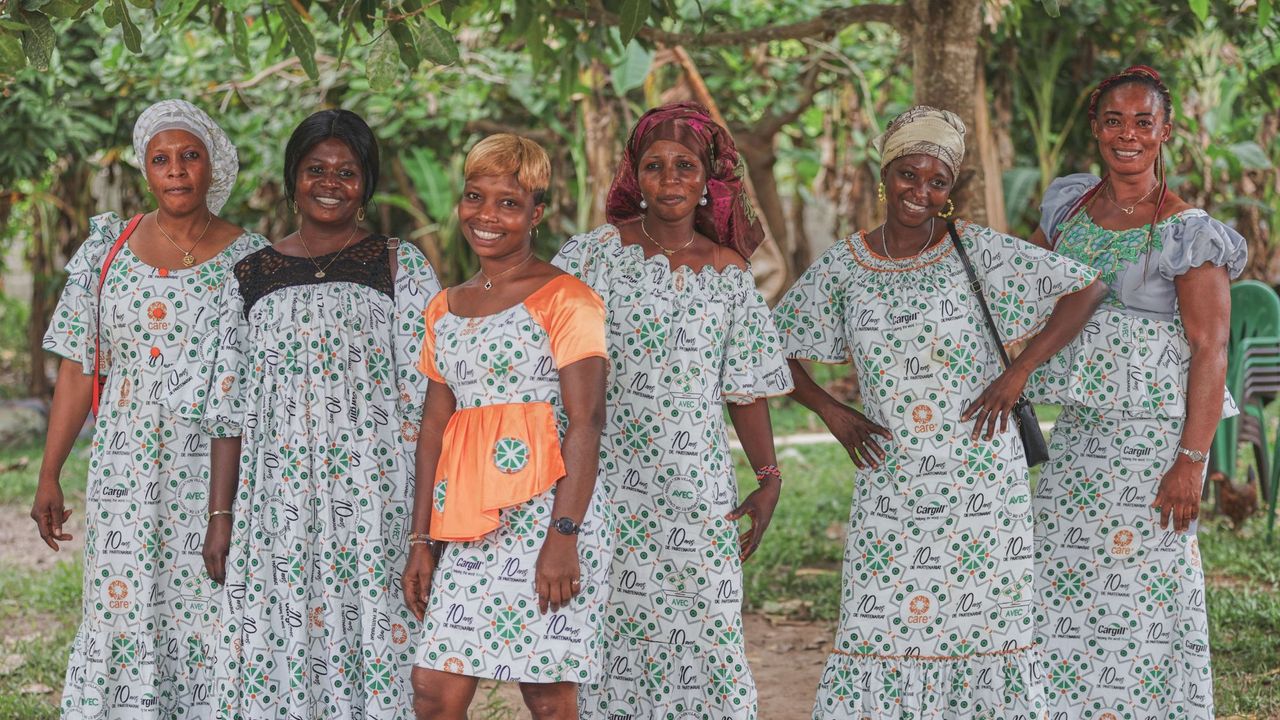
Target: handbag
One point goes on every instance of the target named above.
(1033, 444)
(100, 380)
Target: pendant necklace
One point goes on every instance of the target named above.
(187, 258)
(488, 280)
(320, 270)
(660, 246)
(1111, 197)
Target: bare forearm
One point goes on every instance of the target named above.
(1206, 379)
(755, 431)
(71, 399)
(224, 472)
(1068, 319)
(809, 393)
(581, 452)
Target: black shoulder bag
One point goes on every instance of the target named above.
(1033, 444)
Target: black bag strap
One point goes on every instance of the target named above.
(977, 291)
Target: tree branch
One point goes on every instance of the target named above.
(771, 123)
(828, 21)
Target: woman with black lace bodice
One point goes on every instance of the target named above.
(314, 404)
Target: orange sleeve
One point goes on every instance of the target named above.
(436, 309)
(574, 318)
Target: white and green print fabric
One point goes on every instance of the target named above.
(318, 377)
(1121, 601)
(682, 342)
(936, 611)
(482, 618)
(143, 649)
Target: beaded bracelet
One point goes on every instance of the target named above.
(768, 472)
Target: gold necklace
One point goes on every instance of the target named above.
(660, 246)
(488, 280)
(884, 241)
(187, 258)
(1128, 210)
(320, 270)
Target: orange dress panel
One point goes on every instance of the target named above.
(500, 450)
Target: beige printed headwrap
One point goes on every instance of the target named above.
(924, 130)
(182, 115)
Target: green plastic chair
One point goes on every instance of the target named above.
(1255, 325)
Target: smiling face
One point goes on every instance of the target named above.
(916, 187)
(671, 179)
(178, 170)
(1130, 126)
(330, 184)
(497, 216)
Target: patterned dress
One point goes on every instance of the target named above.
(318, 378)
(936, 612)
(482, 619)
(1121, 601)
(143, 647)
(681, 343)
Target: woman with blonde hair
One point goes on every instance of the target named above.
(507, 460)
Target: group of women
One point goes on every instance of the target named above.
(322, 486)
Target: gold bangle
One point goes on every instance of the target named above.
(419, 536)
(215, 513)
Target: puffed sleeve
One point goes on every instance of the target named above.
(438, 306)
(754, 366)
(74, 323)
(1022, 282)
(1200, 240)
(573, 315)
(810, 317)
(225, 400)
(416, 285)
(580, 256)
(1060, 197)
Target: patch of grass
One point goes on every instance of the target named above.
(801, 557)
(39, 612)
(18, 486)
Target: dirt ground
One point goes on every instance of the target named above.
(786, 656)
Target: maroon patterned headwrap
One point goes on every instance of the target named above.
(728, 217)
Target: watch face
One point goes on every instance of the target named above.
(565, 526)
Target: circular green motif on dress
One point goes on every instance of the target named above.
(510, 455)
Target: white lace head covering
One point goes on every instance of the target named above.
(182, 115)
(924, 130)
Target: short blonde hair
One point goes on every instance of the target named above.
(507, 154)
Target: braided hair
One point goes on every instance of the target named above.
(1149, 78)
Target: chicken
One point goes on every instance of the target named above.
(1237, 502)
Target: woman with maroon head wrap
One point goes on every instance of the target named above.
(1121, 591)
(688, 334)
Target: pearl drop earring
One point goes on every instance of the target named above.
(643, 205)
(703, 200)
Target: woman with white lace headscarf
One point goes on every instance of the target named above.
(129, 326)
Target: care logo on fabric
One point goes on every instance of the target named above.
(1123, 542)
(919, 609)
(117, 595)
(158, 315)
(923, 418)
(454, 665)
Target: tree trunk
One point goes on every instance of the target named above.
(943, 37)
(600, 129)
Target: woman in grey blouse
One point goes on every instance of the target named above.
(1120, 586)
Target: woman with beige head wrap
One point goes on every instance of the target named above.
(135, 313)
(936, 617)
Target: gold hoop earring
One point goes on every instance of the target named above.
(951, 209)
(360, 215)
(880, 193)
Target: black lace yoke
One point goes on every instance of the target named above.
(268, 270)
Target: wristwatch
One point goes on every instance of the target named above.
(566, 526)
(1193, 455)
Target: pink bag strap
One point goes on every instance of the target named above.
(97, 326)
